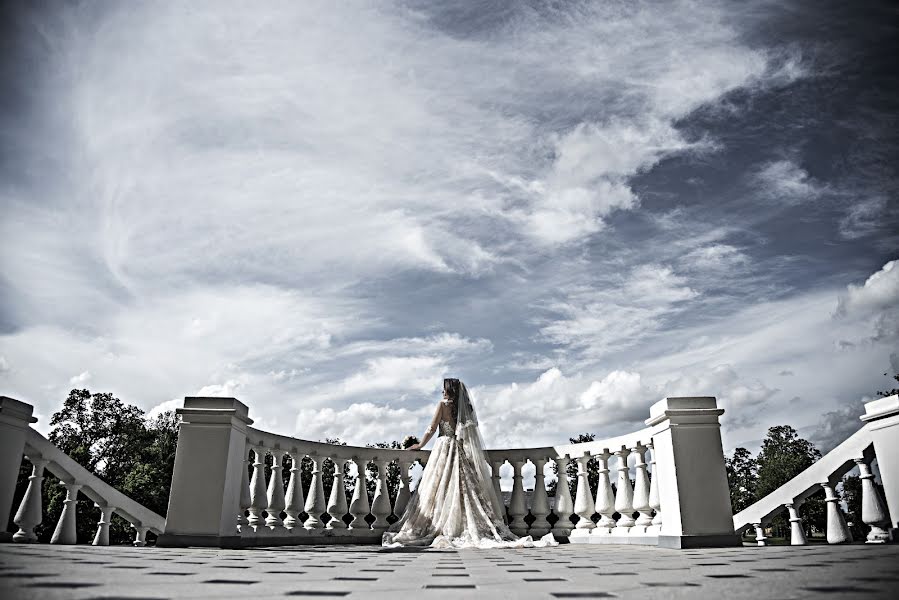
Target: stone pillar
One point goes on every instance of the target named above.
(539, 502)
(206, 481)
(66, 531)
(497, 488)
(605, 497)
(624, 495)
(882, 418)
(337, 507)
(797, 533)
(15, 419)
(30, 513)
(837, 530)
(293, 501)
(692, 482)
(102, 536)
(258, 492)
(564, 505)
(402, 493)
(245, 500)
(315, 497)
(654, 501)
(760, 534)
(140, 535)
(641, 492)
(583, 499)
(380, 504)
(359, 506)
(874, 512)
(275, 495)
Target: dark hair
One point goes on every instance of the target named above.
(453, 388)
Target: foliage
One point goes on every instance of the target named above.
(742, 471)
(890, 392)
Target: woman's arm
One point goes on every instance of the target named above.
(429, 432)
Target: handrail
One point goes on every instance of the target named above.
(68, 470)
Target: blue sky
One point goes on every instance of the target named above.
(578, 209)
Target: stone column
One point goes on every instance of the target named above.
(245, 500)
(654, 501)
(293, 500)
(15, 421)
(797, 533)
(564, 505)
(882, 418)
(140, 535)
(66, 531)
(380, 505)
(837, 530)
(539, 502)
(517, 507)
(605, 496)
(315, 497)
(692, 482)
(641, 492)
(874, 512)
(206, 481)
(275, 495)
(102, 536)
(497, 488)
(583, 500)
(337, 507)
(402, 493)
(359, 506)
(30, 513)
(760, 534)
(624, 495)
(258, 491)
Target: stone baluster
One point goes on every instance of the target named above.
(605, 497)
(654, 499)
(245, 499)
(315, 497)
(275, 494)
(624, 496)
(140, 535)
(29, 514)
(760, 534)
(837, 530)
(66, 532)
(294, 499)
(641, 491)
(874, 510)
(517, 508)
(564, 505)
(337, 507)
(797, 532)
(359, 506)
(497, 488)
(402, 492)
(583, 499)
(539, 502)
(380, 504)
(258, 495)
(101, 538)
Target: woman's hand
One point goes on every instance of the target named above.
(414, 447)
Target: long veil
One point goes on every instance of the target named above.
(469, 436)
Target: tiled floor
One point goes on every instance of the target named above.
(567, 571)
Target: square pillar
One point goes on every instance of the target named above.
(882, 420)
(204, 501)
(692, 480)
(15, 422)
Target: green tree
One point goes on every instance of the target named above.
(742, 472)
(890, 392)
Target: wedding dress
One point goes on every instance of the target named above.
(455, 505)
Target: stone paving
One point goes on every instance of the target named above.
(567, 571)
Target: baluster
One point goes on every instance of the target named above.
(359, 506)
(583, 499)
(605, 497)
(564, 505)
(402, 493)
(624, 497)
(497, 488)
(380, 505)
(837, 530)
(140, 535)
(29, 515)
(294, 498)
(797, 533)
(539, 502)
(760, 534)
(258, 496)
(66, 532)
(275, 494)
(517, 507)
(245, 500)
(874, 511)
(337, 501)
(101, 538)
(315, 497)
(641, 491)
(654, 500)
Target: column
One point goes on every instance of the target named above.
(66, 532)
(275, 495)
(654, 502)
(337, 507)
(207, 478)
(245, 500)
(882, 420)
(359, 506)
(564, 505)
(641, 491)
(517, 507)
(380, 505)
(539, 502)
(258, 492)
(837, 530)
(760, 534)
(315, 497)
(692, 479)
(624, 494)
(583, 499)
(101, 538)
(402, 493)
(140, 535)
(293, 500)
(15, 421)
(874, 512)
(797, 533)
(31, 508)
(497, 488)
(605, 497)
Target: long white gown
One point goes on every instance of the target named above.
(454, 505)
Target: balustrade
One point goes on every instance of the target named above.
(837, 530)
(564, 505)
(874, 511)
(517, 507)
(275, 494)
(294, 499)
(359, 506)
(402, 493)
(539, 502)
(641, 491)
(101, 538)
(797, 532)
(583, 498)
(66, 531)
(258, 492)
(654, 501)
(30, 510)
(380, 505)
(315, 498)
(624, 494)
(337, 506)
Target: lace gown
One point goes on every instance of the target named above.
(453, 507)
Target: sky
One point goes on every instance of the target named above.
(578, 208)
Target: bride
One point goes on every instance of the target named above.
(454, 505)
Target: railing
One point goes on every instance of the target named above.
(873, 440)
(44, 456)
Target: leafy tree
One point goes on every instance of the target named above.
(891, 392)
(742, 472)
(783, 456)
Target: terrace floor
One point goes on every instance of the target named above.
(567, 571)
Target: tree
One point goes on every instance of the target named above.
(742, 472)
(592, 469)
(890, 392)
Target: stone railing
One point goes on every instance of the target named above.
(877, 439)
(18, 439)
(215, 501)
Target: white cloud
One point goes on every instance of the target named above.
(4, 365)
(786, 182)
(876, 303)
(164, 407)
(362, 423)
(82, 379)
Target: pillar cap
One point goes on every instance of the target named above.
(12, 409)
(881, 408)
(206, 408)
(699, 408)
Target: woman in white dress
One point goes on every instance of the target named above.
(455, 504)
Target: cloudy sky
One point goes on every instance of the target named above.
(578, 208)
